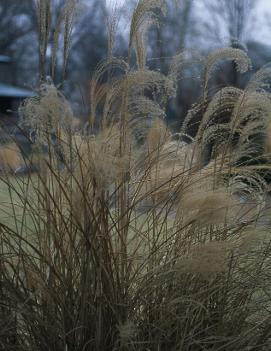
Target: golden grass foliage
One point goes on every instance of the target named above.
(122, 245)
(10, 157)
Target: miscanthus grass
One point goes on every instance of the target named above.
(128, 237)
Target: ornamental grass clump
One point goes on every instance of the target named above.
(116, 244)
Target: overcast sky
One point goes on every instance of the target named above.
(261, 30)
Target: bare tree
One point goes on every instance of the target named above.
(173, 33)
(228, 18)
(16, 21)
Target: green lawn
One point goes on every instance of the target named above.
(13, 209)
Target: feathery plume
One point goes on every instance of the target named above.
(240, 57)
